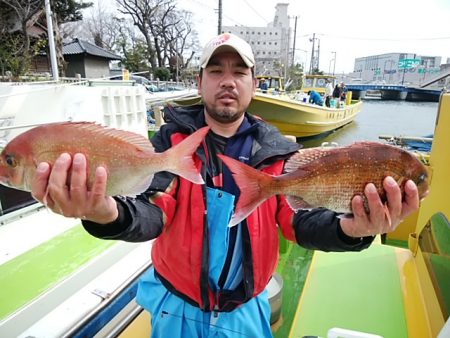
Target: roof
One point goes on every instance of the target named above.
(78, 46)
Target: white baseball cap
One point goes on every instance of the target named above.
(228, 42)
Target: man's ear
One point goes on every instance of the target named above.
(255, 82)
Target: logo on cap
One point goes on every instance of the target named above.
(220, 39)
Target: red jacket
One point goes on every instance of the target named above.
(173, 211)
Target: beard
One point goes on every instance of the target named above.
(223, 114)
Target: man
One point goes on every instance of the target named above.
(263, 85)
(344, 91)
(328, 92)
(207, 279)
(315, 98)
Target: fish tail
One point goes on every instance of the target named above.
(184, 165)
(253, 185)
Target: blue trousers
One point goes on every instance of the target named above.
(173, 317)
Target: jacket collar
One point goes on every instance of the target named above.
(269, 144)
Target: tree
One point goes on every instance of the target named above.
(165, 30)
(64, 11)
(18, 16)
(104, 28)
(295, 76)
(15, 39)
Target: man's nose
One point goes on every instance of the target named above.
(227, 80)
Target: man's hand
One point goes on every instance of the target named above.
(64, 190)
(382, 218)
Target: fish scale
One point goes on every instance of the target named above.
(129, 158)
(327, 177)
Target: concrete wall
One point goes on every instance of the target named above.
(87, 66)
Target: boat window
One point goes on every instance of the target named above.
(434, 241)
(321, 83)
(309, 82)
(274, 83)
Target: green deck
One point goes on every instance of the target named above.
(355, 291)
(25, 277)
(293, 267)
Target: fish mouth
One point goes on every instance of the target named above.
(424, 194)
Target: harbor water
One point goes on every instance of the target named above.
(379, 117)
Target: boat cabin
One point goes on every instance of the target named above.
(274, 83)
(317, 82)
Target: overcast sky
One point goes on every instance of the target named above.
(351, 28)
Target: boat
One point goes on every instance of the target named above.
(418, 143)
(293, 115)
(396, 288)
(302, 119)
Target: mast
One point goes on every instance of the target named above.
(295, 37)
(51, 40)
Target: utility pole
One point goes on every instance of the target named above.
(293, 44)
(51, 40)
(219, 25)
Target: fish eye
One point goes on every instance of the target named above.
(11, 161)
(422, 178)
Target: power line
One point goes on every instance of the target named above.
(256, 12)
(399, 39)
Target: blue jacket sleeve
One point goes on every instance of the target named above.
(319, 229)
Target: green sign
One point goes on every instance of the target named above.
(408, 63)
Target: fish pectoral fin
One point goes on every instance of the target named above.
(297, 203)
(139, 187)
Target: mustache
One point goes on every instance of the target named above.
(227, 92)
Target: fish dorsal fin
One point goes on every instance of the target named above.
(127, 136)
(303, 157)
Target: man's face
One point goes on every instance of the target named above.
(227, 87)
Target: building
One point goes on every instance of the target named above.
(270, 44)
(396, 68)
(87, 59)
